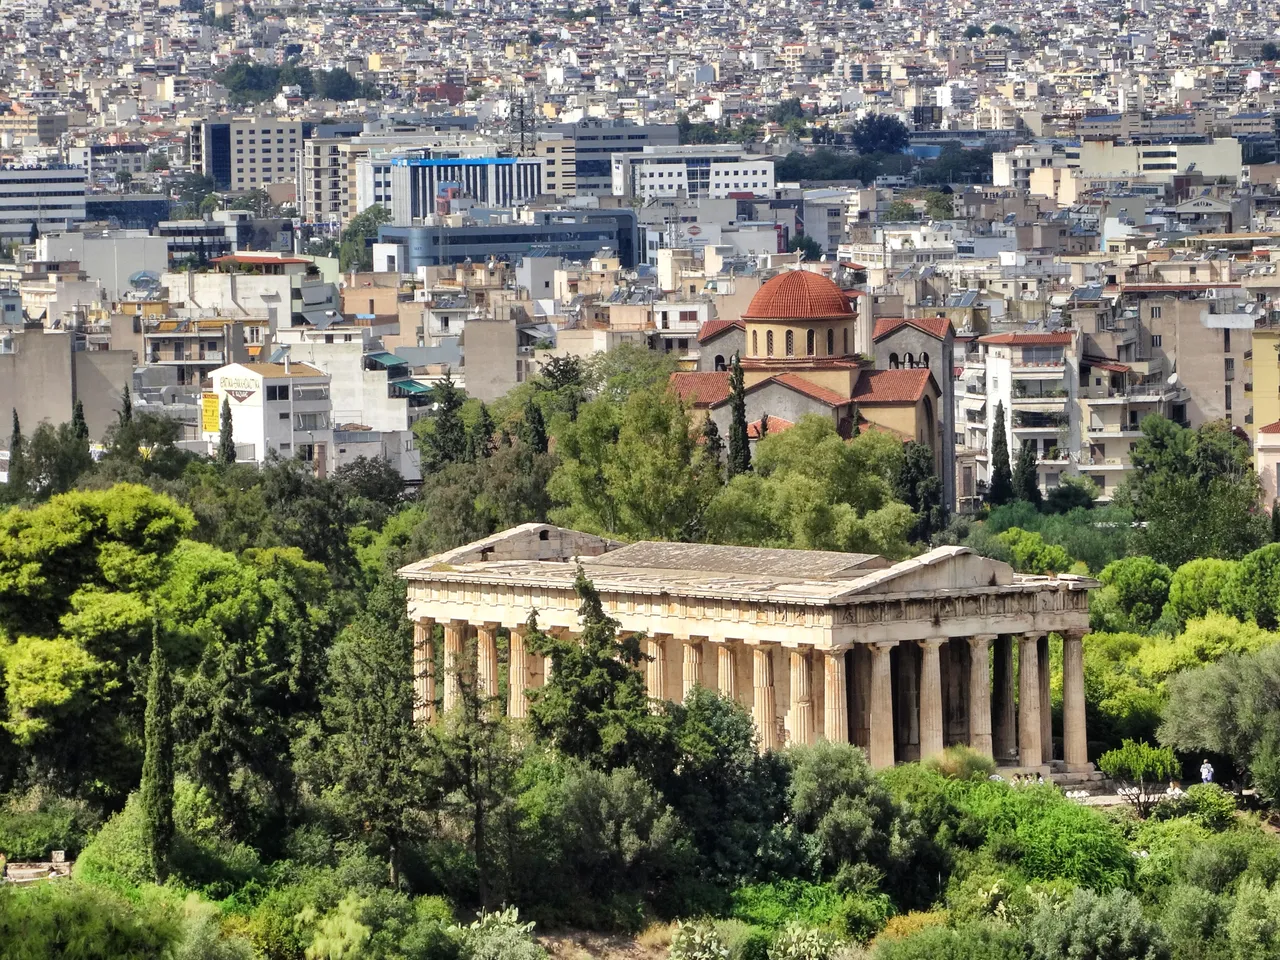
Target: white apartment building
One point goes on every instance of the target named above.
(247, 153)
(375, 400)
(275, 407)
(47, 197)
(716, 171)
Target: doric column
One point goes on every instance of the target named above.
(835, 698)
(764, 704)
(487, 660)
(455, 645)
(1004, 736)
(692, 663)
(517, 675)
(908, 715)
(726, 671)
(655, 669)
(930, 698)
(801, 698)
(424, 674)
(1046, 702)
(1029, 748)
(980, 693)
(881, 714)
(1075, 748)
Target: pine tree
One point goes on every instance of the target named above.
(226, 435)
(157, 764)
(535, 428)
(1000, 489)
(78, 424)
(1026, 480)
(739, 449)
(126, 406)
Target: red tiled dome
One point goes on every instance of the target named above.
(798, 295)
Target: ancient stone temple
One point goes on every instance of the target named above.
(902, 659)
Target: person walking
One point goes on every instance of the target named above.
(1206, 772)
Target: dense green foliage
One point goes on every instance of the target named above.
(249, 82)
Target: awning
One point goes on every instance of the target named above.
(387, 359)
(411, 386)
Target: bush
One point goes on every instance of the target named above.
(501, 936)
(1211, 806)
(1031, 554)
(908, 924)
(1253, 590)
(771, 906)
(697, 940)
(977, 941)
(70, 919)
(1094, 926)
(962, 763)
(1133, 595)
(117, 857)
(35, 824)
(744, 941)
(798, 942)
(1140, 767)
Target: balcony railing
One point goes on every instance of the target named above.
(1039, 421)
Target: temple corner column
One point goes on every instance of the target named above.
(1075, 744)
(881, 713)
(655, 669)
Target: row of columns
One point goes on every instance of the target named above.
(994, 729)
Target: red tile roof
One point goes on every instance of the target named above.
(1270, 428)
(800, 385)
(713, 328)
(1030, 339)
(776, 425)
(798, 295)
(701, 389)
(936, 327)
(891, 386)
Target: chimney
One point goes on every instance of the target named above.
(286, 362)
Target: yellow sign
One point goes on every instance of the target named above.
(211, 416)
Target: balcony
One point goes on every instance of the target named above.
(204, 356)
(1028, 420)
(1119, 430)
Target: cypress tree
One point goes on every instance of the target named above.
(535, 427)
(1000, 489)
(1026, 481)
(481, 439)
(739, 449)
(17, 462)
(126, 406)
(78, 424)
(856, 416)
(226, 435)
(157, 764)
(712, 442)
(1275, 521)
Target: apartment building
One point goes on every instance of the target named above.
(193, 348)
(105, 161)
(559, 155)
(716, 171)
(597, 142)
(283, 408)
(247, 153)
(491, 181)
(43, 198)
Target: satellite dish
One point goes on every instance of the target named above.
(144, 280)
(1173, 379)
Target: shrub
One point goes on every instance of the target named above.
(907, 924)
(33, 825)
(1139, 766)
(1030, 554)
(1211, 806)
(962, 763)
(975, 941)
(1194, 922)
(1253, 590)
(1094, 926)
(772, 905)
(863, 915)
(1219, 861)
(72, 919)
(744, 941)
(697, 940)
(798, 942)
(501, 936)
(117, 857)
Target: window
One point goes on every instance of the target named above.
(831, 343)
(1157, 340)
(846, 341)
(1229, 369)
(924, 360)
(278, 392)
(755, 344)
(284, 415)
(893, 361)
(810, 343)
(768, 343)
(1226, 339)
(1227, 397)
(908, 360)
(1155, 313)
(791, 344)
